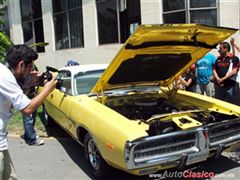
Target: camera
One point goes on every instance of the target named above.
(48, 76)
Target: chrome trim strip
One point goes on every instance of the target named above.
(165, 146)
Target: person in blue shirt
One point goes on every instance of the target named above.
(72, 63)
(204, 75)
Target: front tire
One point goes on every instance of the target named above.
(99, 168)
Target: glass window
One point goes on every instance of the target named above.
(204, 17)
(28, 33)
(117, 19)
(59, 6)
(76, 30)
(194, 11)
(65, 77)
(107, 21)
(202, 3)
(176, 17)
(171, 5)
(32, 24)
(68, 23)
(61, 31)
(85, 81)
(64, 74)
(5, 26)
(130, 18)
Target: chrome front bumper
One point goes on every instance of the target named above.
(182, 147)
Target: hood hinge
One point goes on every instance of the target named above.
(100, 95)
(172, 90)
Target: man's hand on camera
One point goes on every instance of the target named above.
(50, 85)
(36, 75)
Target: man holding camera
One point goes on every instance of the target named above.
(30, 136)
(19, 64)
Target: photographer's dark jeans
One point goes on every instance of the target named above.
(28, 123)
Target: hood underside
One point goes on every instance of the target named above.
(157, 54)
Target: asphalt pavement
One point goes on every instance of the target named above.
(58, 159)
(61, 158)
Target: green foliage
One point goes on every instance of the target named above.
(1, 14)
(5, 42)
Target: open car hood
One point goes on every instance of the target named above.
(157, 54)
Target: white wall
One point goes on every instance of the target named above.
(95, 55)
(151, 11)
(15, 21)
(229, 13)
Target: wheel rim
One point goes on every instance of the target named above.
(93, 154)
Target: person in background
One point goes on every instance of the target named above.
(30, 136)
(72, 63)
(19, 62)
(204, 75)
(232, 41)
(237, 87)
(187, 81)
(224, 69)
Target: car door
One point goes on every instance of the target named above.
(61, 99)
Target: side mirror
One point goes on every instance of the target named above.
(63, 89)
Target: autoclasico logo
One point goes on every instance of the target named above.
(184, 174)
(201, 174)
(191, 174)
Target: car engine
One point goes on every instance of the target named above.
(158, 112)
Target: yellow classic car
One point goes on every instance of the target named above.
(131, 116)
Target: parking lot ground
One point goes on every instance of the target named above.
(61, 158)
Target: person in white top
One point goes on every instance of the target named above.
(19, 63)
(237, 87)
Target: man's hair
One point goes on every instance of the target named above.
(18, 53)
(226, 45)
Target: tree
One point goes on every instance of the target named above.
(5, 42)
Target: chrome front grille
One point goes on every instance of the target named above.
(164, 148)
(224, 132)
(165, 145)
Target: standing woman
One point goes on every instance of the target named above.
(187, 80)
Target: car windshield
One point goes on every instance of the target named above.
(85, 81)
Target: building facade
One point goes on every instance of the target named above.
(92, 31)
